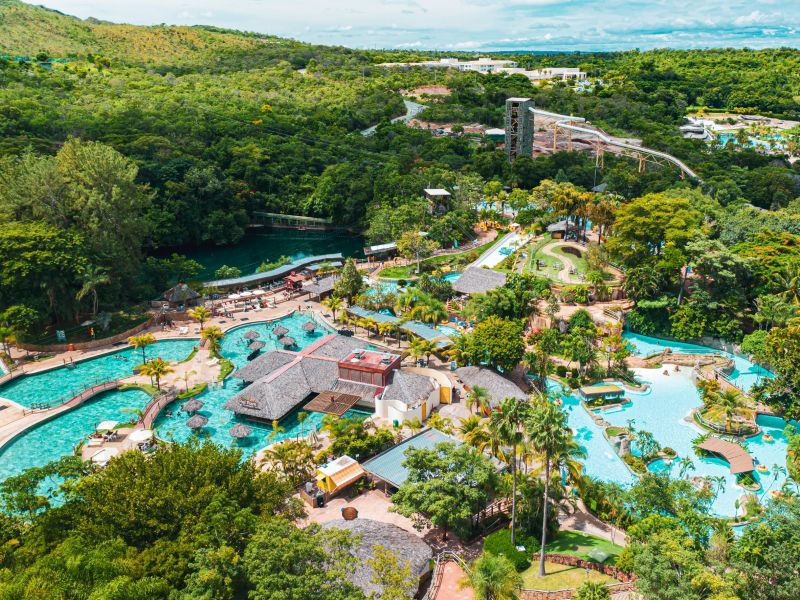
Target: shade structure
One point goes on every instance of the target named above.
(106, 425)
(192, 406)
(309, 326)
(240, 431)
(253, 346)
(280, 330)
(259, 292)
(197, 422)
(287, 342)
(251, 335)
(103, 456)
(141, 435)
(246, 294)
(234, 296)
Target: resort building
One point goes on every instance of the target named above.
(603, 393)
(335, 374)
(181, 296)
(548, 73)
(438, 199)
(495, 384)
(338, 474)
(482, 65)
(477, 280)
(409, 548)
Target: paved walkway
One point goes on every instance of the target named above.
(580, 519)
(450, 583)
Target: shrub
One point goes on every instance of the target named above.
(667, 451)
(635, 463)
(499, 544)
(561, 371)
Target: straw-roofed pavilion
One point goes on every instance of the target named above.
(495, 384)
(477, 280)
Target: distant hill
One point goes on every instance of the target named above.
(27, 30)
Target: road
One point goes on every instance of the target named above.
(412, 110)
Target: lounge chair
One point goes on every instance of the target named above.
(183, 331)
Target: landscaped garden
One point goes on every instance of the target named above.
(441, 262)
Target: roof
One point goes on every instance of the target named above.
(408, 388)
(332, 403)
(276, 273)
(180, 293)
(498, 386)
(436, 192)
(593, 391)
(320, 286)
(388, 465)
(417, 328)
(558, 226)
(264, 365)
(477, 280)
(736, 456)
(366, 534)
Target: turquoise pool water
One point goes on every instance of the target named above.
(58, 437)
(661, 411)
(58, 385)
(451, 277)
(450, 332)
(745, 373)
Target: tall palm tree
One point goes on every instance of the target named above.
(212, 336)
(729, 401)
(200, 314)
(570, 460)
(333, 303)
(493, 577)
(685, 465)
(385, 329)
(789, 282)
(549, 436)
(156, 368)
(140, 342)
(473, 432)
(507, 423)
(405, 300)
(92, 278)
(421, 347)
(479, 398)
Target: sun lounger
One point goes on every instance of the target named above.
(183, 331)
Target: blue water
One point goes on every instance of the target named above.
(58, 437)
(450, 332)
(391, 287)
(58, 385)
(745, 374)
(661, 411)
(451, 277)
(753, 142)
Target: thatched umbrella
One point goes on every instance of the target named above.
(251, 335)
(287, 342)
(309, 326)
(255, 346)
(197, 422)
(240, 431)
(280, 330)
(192, 406)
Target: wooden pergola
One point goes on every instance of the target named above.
(332, 403)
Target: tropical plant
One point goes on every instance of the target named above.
(156, 368)
(333, 303)
(685, 465)
(201, 314)
(142, 341)
(92, 278)
(420, 347)
(592, 590)
(442, 423)
(507, 424)
(385, 328)
(493, 578)
(729, 401)
(212, 337)
(414, 424)
(479, 397)
(549, 436)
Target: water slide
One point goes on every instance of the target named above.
(566, 122)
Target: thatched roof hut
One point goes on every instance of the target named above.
(181, 294)
(287, 342)
(197, 422)
(498, 386)
(257, 345)
(280, 330)
(367, 534)
(309, 327)
(251, 335)
(477, 280)
(192, 406)
(240, 430)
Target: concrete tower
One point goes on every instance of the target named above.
(519, 128)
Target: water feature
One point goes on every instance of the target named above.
(60, 384)
(745, 374)
(267, 244)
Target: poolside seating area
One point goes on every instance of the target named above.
(417, 328)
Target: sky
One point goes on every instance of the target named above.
(475, 25)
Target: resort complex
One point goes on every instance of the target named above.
(292, 321)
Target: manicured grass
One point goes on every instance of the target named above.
(409, 271)
(614, 431)
(580, 544)
(559, 577)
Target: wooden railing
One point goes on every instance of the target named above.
(75, 400)
(154, 408)
(437, 573)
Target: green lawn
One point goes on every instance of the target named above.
(409, 271)
(580, 544)
(559, 577)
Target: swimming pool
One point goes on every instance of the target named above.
(450, 332)
(661, 411)
(60, 384)
(745, 374)
(57, 437)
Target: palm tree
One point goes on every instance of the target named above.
(429, 312)
(333, 303)
(493, 578)
(140, 342)
(301, 418)
(570, 460)
(413, 424)
(420, 347)
(200, 314)
(405, 300)
(186, 375)
(479, 398)
(276, 429)
(6, 336)
(507, 423)
(385, 329)
(92, 278)
(685, 465)
(729, 401)
(212, 336)
(443, 424)
(473, 432)
(157, 368)
(548, 435)
(789, 282)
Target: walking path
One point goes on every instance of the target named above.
(412, 110)
(564, 274)
(580, 519)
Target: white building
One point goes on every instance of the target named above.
(548, 73)
(482, 65)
